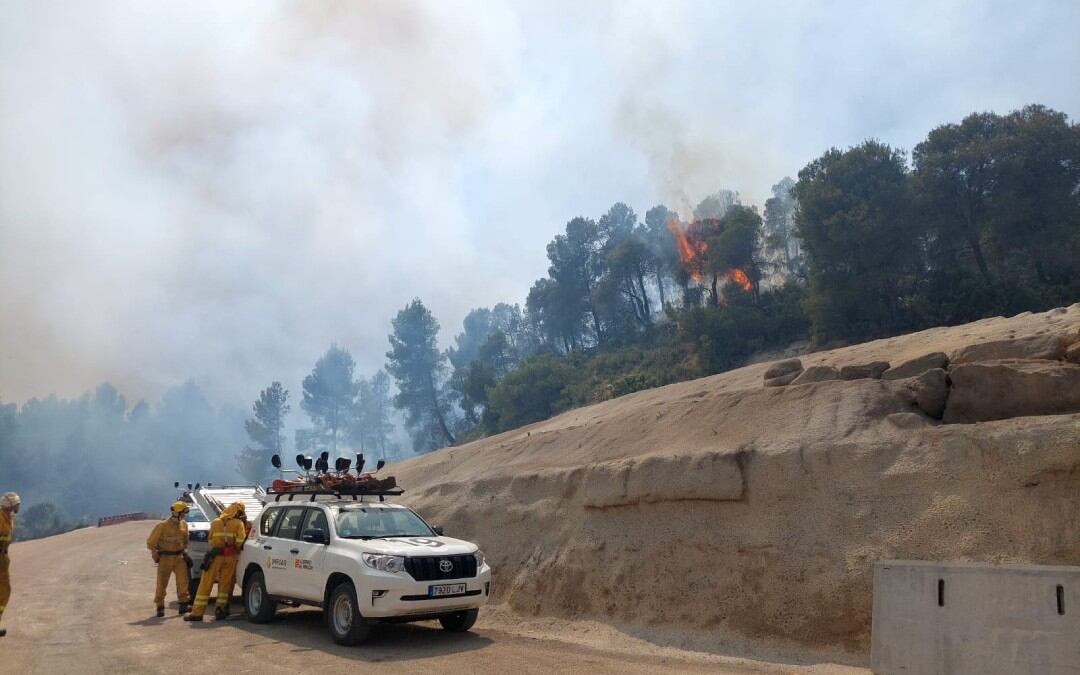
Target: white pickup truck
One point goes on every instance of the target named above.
(361, 562)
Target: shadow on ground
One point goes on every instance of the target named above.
(306, 630)
(711, 644)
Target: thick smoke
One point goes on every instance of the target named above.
(219, 191)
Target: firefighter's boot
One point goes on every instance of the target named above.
(193, 617)
(160, 611)
(184, 608)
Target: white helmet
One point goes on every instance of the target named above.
(9, 500)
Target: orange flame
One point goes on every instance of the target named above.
(739, 277)
(690, 248)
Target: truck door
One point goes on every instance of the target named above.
(277, 548)
(309, 562)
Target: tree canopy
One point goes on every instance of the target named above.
(264, 429)
(328, 395)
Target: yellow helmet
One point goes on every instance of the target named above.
(233, 510)
(179, 507)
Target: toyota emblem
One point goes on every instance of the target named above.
(445, 566)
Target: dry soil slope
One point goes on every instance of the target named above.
(756, 513)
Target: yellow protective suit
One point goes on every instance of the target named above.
(7, 529)
(169, 541)
(227, 535)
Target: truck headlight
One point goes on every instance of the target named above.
(479, 555)
(384, 563)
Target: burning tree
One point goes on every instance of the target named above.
(721, 250)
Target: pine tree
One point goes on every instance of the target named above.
(264, 430)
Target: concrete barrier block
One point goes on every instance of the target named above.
(975, 619)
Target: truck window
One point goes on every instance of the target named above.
(316, 520)
(268, 520)
(290, 522)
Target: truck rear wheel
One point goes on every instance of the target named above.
(459, 622)
(343, 618)
(258, 605)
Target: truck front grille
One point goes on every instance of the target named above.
(430, 568)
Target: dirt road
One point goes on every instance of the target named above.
(83, 604)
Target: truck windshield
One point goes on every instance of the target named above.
(372, 523)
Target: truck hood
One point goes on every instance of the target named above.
(412, 546)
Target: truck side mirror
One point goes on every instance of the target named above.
(438, 530)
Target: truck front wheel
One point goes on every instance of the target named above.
(258, 605)
(343, 618)
(459, 622)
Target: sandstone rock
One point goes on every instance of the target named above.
(907, 420)
(782, 380)
(863, 371)
(818, 374)
(1049, 347)
(783, 368)
(704, 476)
(931, 390)
(916, 366)
(1073, 353)
(1011, 388)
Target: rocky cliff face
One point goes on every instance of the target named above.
(756, 511)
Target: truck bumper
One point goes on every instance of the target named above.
(400, 598)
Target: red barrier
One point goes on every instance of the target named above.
(124, 518)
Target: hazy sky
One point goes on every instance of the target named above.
(220, 190)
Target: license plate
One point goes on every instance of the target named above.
(445, 589)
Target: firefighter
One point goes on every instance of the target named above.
(168, 544)
(227, 535)
(9, 506)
